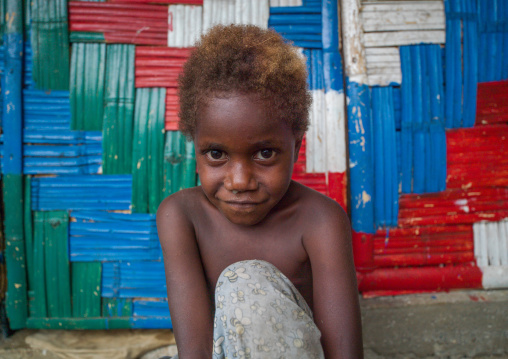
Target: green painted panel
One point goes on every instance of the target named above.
(179, 163)
(86, 289)
(56, 251)
(16, 296)
(116, 307)
(29, 240)
(50, 44)
(88, 64)
(118, 109)
(95, 37)
(148, 150)
(79, 323)
(38, 306)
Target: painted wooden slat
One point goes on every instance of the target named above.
(62, 152)
(399, 38)
(38, 307)
(397, 6)
(361, 165)
(121, 23)
(86, 289)
(492, 103)
(159, 66)
(50, 44)
(403, 20)
(278, 3)
(383, 66)
(29, 232)
(46, 110)
(235, 12)
(435, 245)
(491, 252)
(119, 109)
(353, 43)
(179, 163)
(116, 307)
(68, 192)
(12, 179)
(147, 166)
(57, 268)
(133, 279)
(185, 24)
(87, 86)
(98, 236)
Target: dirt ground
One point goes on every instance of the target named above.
(457, 325)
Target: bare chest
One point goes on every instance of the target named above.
(282, 246)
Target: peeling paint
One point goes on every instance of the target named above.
(365, 197)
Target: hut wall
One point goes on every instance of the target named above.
(100, 147)
(89, 144)
(427, 134)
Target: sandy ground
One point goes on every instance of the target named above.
(112, 344)
(457, 325)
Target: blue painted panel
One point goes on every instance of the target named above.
(151, 323)
(97, 236)
(422, 160)
(150, 308)
(330, 25)
(134, 279)
(332, 68)
(46, 110)
(87, 192)
(295, 10)
(385, 157)
(12, 117)
(360, 157)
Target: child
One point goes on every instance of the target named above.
(257, 266)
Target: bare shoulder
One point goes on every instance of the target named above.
(179, 204)
(321, 213)
(176, 212)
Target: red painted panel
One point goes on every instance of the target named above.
(121, 22)
(434, 278)
(187, 2)
(492, 103)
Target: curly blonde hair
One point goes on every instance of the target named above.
(250, 60)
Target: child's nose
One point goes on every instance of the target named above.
(240, 178)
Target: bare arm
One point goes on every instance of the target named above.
(189, 301)
(335, 292)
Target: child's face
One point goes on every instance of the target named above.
(244, 159)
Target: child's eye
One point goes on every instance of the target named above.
(216, 155)
(265, 154)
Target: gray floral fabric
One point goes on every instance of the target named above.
(260, 314)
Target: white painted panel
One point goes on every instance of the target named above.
(396, 6)
(400, 38)
(503, 242)
(493, 243)
(218, 12)
(225, 12)
(276, 3)
(403, 20)
(185, 24)
(353, 42)
(495, 277)
(316, 137)
(491, 252)
(383, 66)
(335, 132)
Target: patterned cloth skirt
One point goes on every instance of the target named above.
(260, 314)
